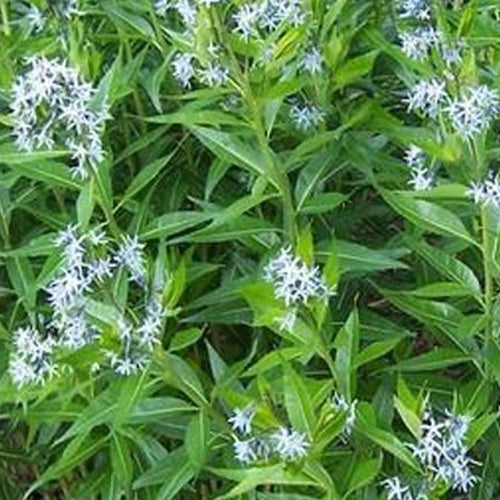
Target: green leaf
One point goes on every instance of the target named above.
(173, 473)
(251, 477)
(428, 216)
(152, 410)
(173, 223)
(358, 258)
(446, 264)
(147, 174)
(131, 392)
(99, 411)
(434, 360)
(76, 452)
(191, 116)
(436, 290)
(51, 173)
(241, 227)
(121, 459)
(196, 440)
(347, 345)
(179, 374)
(85, 204)
(22, 278)
(408, 416)
(185, 338)
(134, 21)
(355, 68)
(386, 440)
(12, 156)
(478, 427)
(322, 203)
(275, 358)
(228, 147)
(364, 473)
(376, 350)
(298, 402)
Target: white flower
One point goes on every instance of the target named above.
(451, 52)
(395, 489)
(287, 322)
(306, 116)
(76, 332)
(213, 75)
(349, 409)
(293, 281)
(241, 421)
(290, 444)
(415, 9)
(184, 70)
(246, 19)
(31, 362)
(187, 11)
(416, 44)
(70, 8)
(441, 449)
(312, 61)
(161, 7)
(427, 96)
(97, 237)
(477, 192)
(278, 12)
(130, 255)
(35, 19)
(125, 365)
(421, 179)
(473, 112)
(52, 105)
(66, 291)
(208, 3)
(151, 325)
(101, 269)
(244, 450)
(414, 156)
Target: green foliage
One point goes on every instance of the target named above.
(215, 181)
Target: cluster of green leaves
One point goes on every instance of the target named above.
(215, 193)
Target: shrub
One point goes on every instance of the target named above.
(249, 249)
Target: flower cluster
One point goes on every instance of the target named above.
(87, 263)
(441, 450)
(76, 275)
(52, 105)
(420, 176)
(267, 16)
(417, 42)
(340, 404)
(293, 280)
(31, 361)
(415, 9)
(397, 490)
(37, 20)
(262, 22)
(285, 443)
(137, 342)
(469, 113)
(305, 116)
(474, 110)
(486, 192)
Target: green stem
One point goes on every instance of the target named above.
(5, 17)
(284, 183)
(488, 276)
(113, 226)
